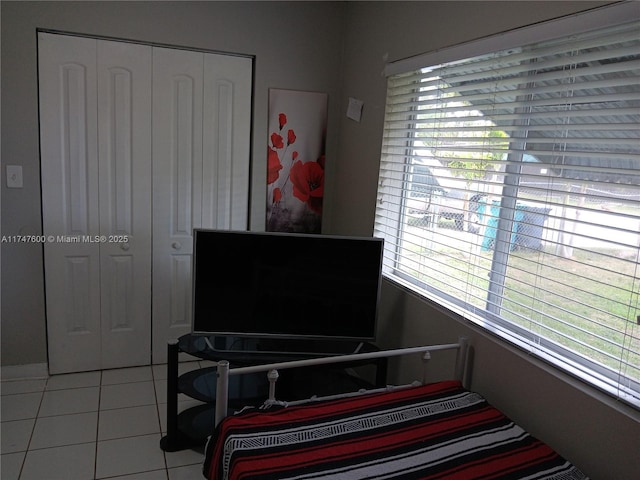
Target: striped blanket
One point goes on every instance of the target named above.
(437, 431)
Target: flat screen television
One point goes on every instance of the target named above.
(286, 286)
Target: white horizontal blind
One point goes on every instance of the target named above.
(509, 191)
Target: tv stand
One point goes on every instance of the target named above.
(280, 347)
(192, 427)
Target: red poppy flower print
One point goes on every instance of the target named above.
(308, 183)
(273, 166)
(291, 137)
(295, 173)
(276, 141)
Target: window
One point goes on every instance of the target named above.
(509, 191)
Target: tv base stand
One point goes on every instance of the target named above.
(285, 348)
(190, 428)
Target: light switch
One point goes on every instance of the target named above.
(14, 176)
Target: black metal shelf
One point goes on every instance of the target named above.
(191, 427)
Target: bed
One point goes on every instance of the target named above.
(421, 431)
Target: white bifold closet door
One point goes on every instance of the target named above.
(202, 115)
(130, 150)
(95, 104)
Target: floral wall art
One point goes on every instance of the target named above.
(296, 160)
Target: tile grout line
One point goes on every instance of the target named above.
(33, 428)
(155, 394)
(95, 450)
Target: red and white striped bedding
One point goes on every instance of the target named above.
(434, 431)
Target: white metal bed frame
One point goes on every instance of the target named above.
(224, 371)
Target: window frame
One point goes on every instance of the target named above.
(558, 356)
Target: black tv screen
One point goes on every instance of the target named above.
(283, 285)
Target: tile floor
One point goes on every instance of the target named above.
(93, 425)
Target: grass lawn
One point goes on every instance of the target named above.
(587, 303)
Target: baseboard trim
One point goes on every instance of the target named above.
(18, 372)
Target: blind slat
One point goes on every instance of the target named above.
(500, 118)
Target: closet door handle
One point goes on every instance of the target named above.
(125, 246)
(176, 245)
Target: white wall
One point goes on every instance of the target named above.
(297, 46)
(582, 424)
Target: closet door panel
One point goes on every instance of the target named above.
(69, 170)
(177, 189)
(124, 127)
(140, 145)
(226, 142)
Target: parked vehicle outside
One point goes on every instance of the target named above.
(436, 194)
